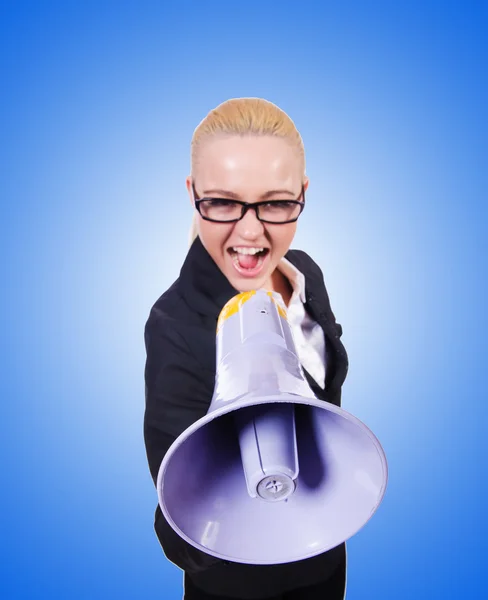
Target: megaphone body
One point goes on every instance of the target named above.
(271, 474)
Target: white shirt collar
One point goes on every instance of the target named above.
(295, 277)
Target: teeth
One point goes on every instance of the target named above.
(247, 250)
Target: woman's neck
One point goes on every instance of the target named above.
(280, 284)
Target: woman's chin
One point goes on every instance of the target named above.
(247, 284)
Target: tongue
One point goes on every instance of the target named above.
(248, 261)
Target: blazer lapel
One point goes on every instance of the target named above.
(318, 306)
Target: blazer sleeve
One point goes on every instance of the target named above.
(176, 396)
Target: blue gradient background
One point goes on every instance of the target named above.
(99, 101)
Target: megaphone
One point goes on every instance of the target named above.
(271, 474)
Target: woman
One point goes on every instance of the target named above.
(247, 186)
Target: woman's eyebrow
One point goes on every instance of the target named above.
(234, 196)
(276, 193)
(219, 192)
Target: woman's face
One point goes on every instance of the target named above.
(251, 169)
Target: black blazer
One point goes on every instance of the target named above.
(180, 338)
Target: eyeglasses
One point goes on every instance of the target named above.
(224, 210)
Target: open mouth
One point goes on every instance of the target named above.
(248, 261)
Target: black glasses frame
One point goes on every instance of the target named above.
(247, 205)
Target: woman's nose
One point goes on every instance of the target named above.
(250, 227)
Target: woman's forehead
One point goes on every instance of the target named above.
(250, 161)
(222, 145)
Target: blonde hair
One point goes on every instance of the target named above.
(243, 116)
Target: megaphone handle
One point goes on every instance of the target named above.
(267, 440)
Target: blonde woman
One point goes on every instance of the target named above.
(247, 186)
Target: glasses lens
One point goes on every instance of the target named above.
(279, 211)
(220, 210)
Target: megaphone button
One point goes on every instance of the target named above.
(276, 487)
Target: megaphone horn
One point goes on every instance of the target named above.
(271, 474)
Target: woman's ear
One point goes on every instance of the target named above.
(189, 188)
(306, 181)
